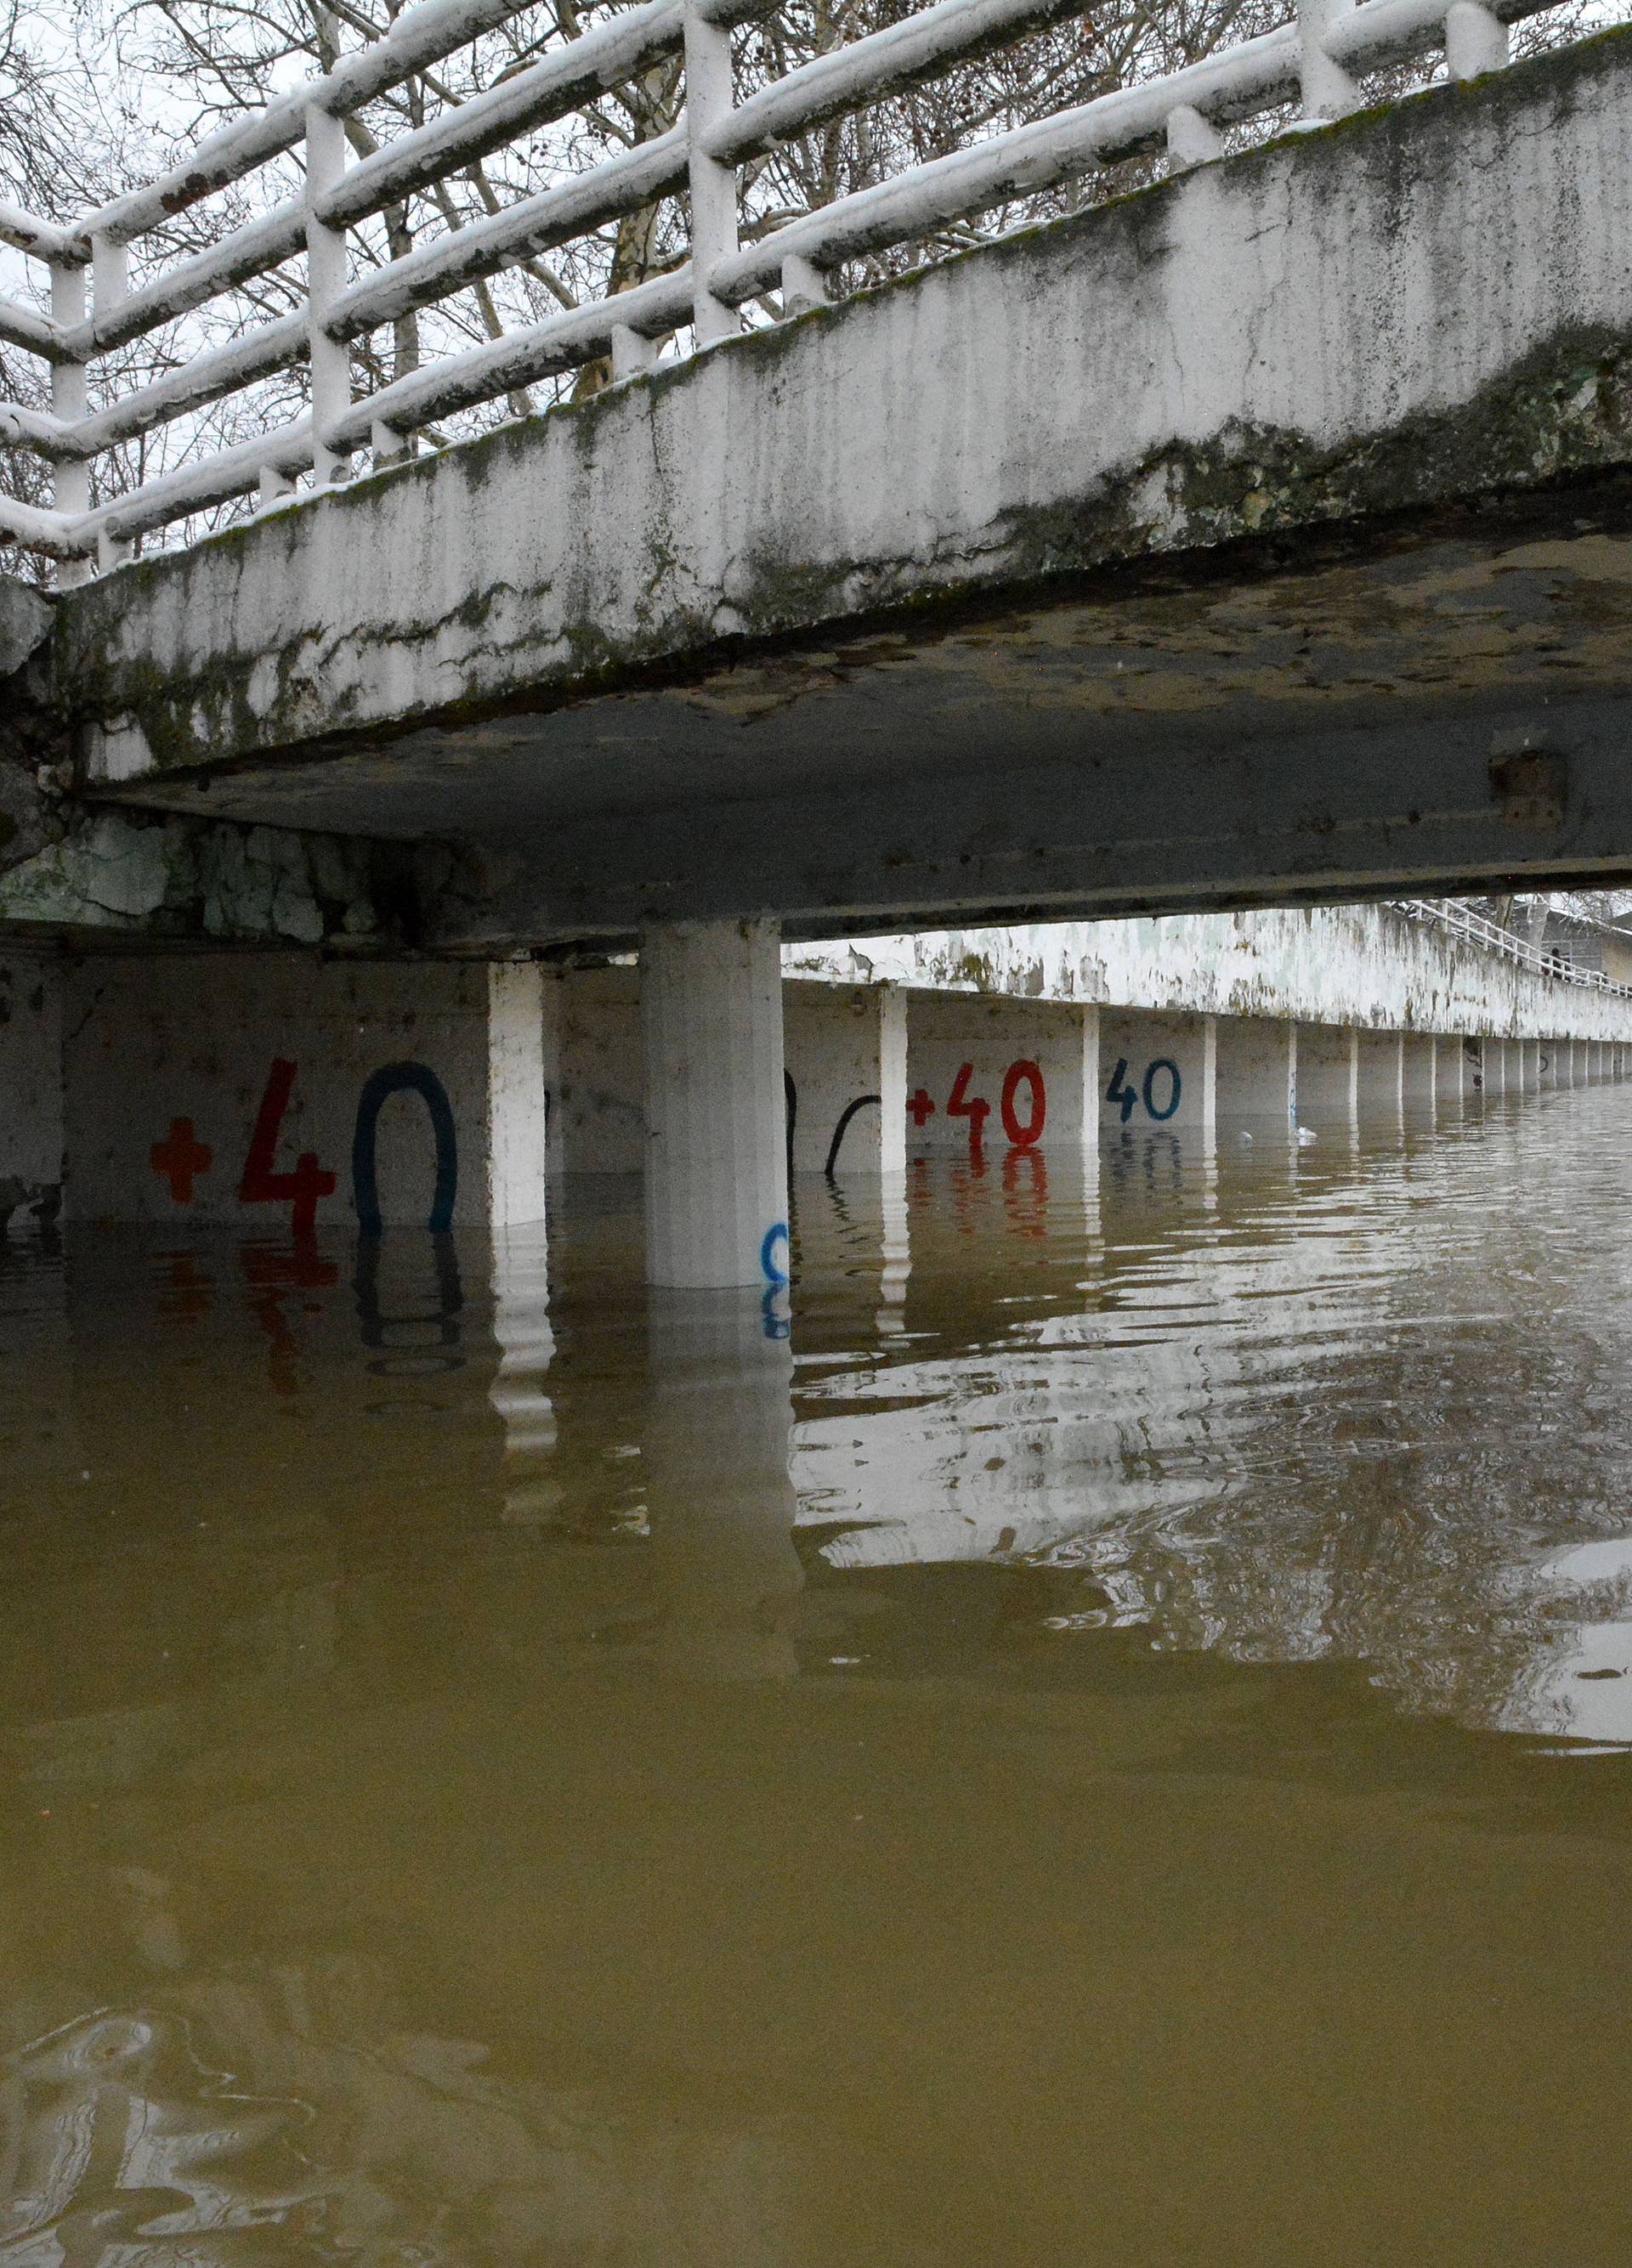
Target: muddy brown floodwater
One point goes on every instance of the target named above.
(1109, 1745)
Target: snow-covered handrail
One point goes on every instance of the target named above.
(1315, 61)
(1460, 920)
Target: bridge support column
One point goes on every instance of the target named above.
(1257, 1070)
(710, 1036)
(846, 1077)
(1492, 1083)
(31, 1089)
(1380, 1073)
(1450, 1068)
(1417, 1071)
(1530, 1065)
(1328, 1072)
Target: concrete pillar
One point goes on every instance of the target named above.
(846, 1048)
(1257, 1070)
(1549, 1063)
(517, 1107)
(1418, 1072)
(1157, 1072)
(710, 1032)
(281, 1094)
(1380, 1060)
(989, 1072)
(1577, 1062)
(1328, 1066)
(30, 1090)
(1449, 1068)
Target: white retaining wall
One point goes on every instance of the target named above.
(1362, 965)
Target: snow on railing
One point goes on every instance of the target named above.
(1314, 61)
(1460, 920)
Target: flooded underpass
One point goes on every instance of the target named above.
(1096, 1730)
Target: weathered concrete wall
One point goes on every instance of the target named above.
(173, 1067)
(1025, 1072)
(1158, 1070)
(1364, 965)
(1257, 1069)
(142, 876)
(598, 1125)
(843, 1044)
(31, 1086)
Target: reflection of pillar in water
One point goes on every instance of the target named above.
(896, 1246)
(526, 1347)
(720, 1496)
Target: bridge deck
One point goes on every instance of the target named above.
(1265, 534)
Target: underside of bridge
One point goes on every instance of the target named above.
(1267, 536)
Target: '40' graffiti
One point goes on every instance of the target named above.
(1023, 1133)
(182, 1159)
(1159, 1091)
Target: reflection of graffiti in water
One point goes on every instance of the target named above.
(414, 1341)
(273, 1274)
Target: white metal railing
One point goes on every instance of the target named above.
(1449, 914)
(1315, 61)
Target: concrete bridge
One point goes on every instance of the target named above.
(1260, 536)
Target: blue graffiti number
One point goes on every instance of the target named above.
(398, 1078)
(774, 1270)
(1162, 1063)
(1120, 1091)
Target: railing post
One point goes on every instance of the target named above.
(325, 280)
(70, 476)
(1328, 91)
(713, 186)
(1475, 41)
(1191, 140)
(631, 352)
(804, 285)
(110, 282)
